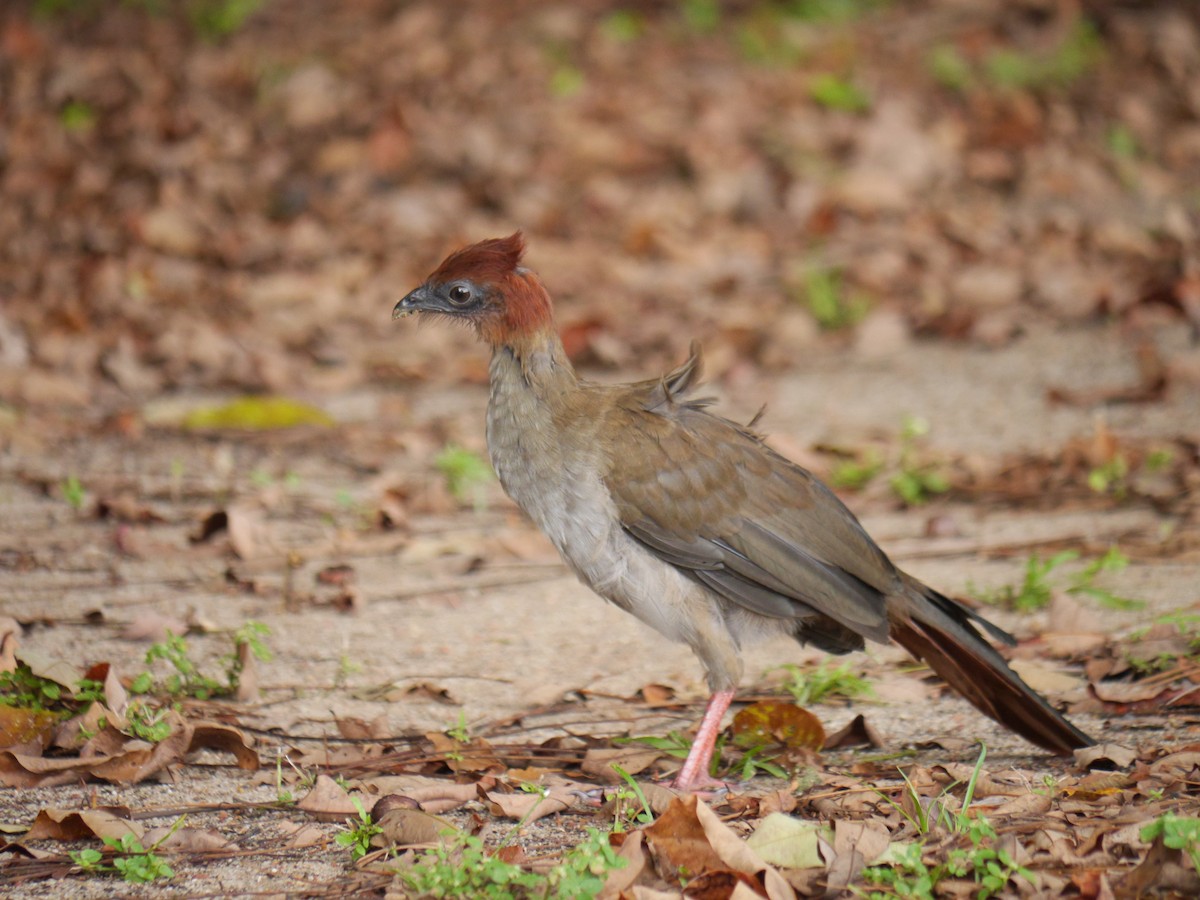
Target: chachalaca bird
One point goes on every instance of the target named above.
(690, 522)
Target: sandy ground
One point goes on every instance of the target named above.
(499, 650)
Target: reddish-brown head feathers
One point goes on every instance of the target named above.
(518, 304)
(484, 263)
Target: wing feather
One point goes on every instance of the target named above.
(706, 496)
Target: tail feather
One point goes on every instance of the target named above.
(939, 631)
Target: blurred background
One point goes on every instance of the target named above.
(953, 244)
(229, 195)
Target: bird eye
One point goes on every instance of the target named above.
(460, 295)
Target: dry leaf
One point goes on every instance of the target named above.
(413, 828)
(771, 722)
(75, 825)
(10, 639)
(328, 801)
(24, 727)
(214, 736)
(788, 842)
(186, 840)
(301, 834)
(529, 807)
(598, 762)
(357, 729)
(1105, 756)
(472, 757)
(855, 733)
(153, 627)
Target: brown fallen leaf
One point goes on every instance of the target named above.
(689, 839)
(466, 757)
(855, 846)
(247, 673)
(654, 695)
(678, 843)
(328, 801)
(413, 828)
(301, 834)
(598, 762)
(529, 807)
(855, 733)
(153, 627)
(356, 729)
(10, 639)
(215, 736)
(1024, 806)
(771, 722)
(74, 825)
(631, 847)
(185, 840)
(1105, 756)
(31, 730)
(433, 795)
(1046, 679)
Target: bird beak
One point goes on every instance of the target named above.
(413, 302)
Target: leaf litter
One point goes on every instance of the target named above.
(261, 280)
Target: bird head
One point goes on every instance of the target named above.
(485, 286)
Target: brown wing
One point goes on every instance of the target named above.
(761, 532)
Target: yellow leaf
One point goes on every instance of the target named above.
(257, 414)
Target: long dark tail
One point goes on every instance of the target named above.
(942, 632)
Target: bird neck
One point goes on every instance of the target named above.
(539, 361)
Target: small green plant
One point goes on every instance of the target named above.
(829, 303)
(915, 482)
(77, 115)
(216, 19)
(949, 68)
(675, 744)
(623, 26)
(991, 868)
(1111, 477)
(1122, 143)
(1188, 626)
(283, 796)
(834, 92)
(73, 492)
(358, 833)
(1077, 54)
(1083, 582)
(1035, 590)
(856, 473)
(818, 683)
(466, 473)
(906, 873)
(459, 731)
(584, 870)
(1008, 68)
(133, 862)
(830, 10)
(146, 721)
(624, 813)
(465, 868)
(1158, 460)
(702, 16)
(759, 760)
(249, 635)
(186, 679)
(1177, 833)
(22, 689)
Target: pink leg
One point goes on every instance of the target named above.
(694, 774)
